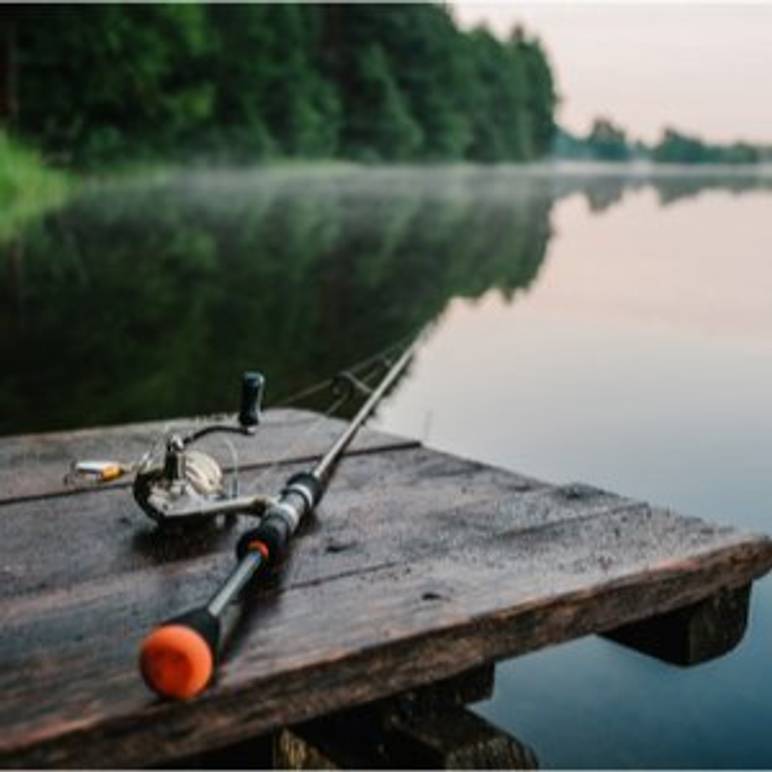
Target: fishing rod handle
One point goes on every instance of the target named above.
(178, 658)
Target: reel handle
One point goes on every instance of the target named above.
(252, 385)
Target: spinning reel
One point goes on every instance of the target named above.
(186, 484)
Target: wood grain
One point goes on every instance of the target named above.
(418, 566)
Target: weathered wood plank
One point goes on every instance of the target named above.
(402, 502)
(383, 630)
(34, 465)
(418, 566)
(694, 634)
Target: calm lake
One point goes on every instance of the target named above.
(593, 324)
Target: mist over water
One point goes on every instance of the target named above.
(606, 325)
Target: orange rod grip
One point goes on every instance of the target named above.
(176, 661)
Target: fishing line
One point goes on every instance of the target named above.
(295, 449)
(292, 399)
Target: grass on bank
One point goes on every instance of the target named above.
(27, 186)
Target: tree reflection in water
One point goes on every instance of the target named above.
(139, 301)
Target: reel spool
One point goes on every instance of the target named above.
(181, 488)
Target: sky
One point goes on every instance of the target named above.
(702, 68)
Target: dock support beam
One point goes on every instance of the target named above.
(693, 634)
(426, 728)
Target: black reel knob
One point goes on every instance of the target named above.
(252, 385)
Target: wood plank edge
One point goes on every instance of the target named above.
(165, 730)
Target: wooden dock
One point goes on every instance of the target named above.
(419, 572)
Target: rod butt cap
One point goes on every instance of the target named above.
(176, 661)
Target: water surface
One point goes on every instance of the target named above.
(586, 324)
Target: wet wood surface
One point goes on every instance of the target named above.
(418, 566)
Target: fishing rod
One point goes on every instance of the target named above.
(178, 658)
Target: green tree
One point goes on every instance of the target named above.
(483, 94)
(300, 107)
(380, 122)
(607, 141)
(99, 79)
(676, 147)
(542, 98)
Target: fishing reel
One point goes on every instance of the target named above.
(182, 484)
(187, 485)
(182, 487)
(176, 484)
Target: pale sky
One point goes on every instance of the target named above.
(703, 68)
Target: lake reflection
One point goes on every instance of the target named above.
(158, 296)
(588, 324)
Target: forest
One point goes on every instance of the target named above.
(110, 84)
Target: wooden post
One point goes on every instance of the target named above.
(426, 728)
(457, 739)
(693, 634)
(452, 739)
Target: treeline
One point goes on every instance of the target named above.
(607, 141)
(104, 83)
(676, 147)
